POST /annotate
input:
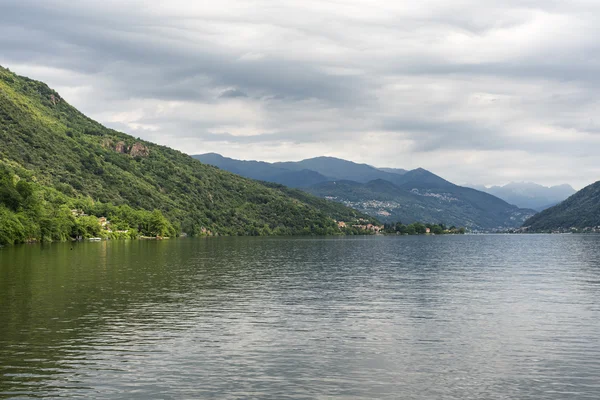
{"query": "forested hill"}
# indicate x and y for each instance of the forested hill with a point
(68, 157)
(581, 211)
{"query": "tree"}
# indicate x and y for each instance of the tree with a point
(158, 225)
(25, 189)
(436, 229)
(11, 229)
(420, 228)
(87, 227)
(9, 196)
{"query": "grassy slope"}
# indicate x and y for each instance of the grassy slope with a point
(76, 155)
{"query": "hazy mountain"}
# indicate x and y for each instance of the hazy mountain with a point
(581, 210)
(529, 195)
(304, 173)
(337, 168)
(319, 169)
(264, 171)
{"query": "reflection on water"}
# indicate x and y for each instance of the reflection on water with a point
(460, 317)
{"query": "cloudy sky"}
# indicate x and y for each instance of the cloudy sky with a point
(476, 91)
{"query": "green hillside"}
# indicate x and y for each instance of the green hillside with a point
(78, 162)
(581, 211)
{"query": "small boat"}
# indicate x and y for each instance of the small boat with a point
(95, 239)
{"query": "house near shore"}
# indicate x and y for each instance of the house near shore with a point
(374, 228)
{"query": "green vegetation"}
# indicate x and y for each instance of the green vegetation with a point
(580, 212)
(418, 228)
(32, 212)
(70, 161)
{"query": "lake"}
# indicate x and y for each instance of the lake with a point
(428, 317)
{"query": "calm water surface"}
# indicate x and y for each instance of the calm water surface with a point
(452, 317)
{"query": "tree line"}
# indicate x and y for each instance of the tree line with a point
(418, 228)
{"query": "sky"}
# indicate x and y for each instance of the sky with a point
(482, 92)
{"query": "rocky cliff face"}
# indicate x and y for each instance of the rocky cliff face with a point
(139, 150)
(121, 147)
(135, 150)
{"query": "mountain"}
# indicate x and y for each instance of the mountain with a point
(336, 168)
(422, 179)
(581, 210)
(398, 171)
(432, 200)
(529, 195)
(312, 171)
(263, 171)
(53, 157)
(408, 196)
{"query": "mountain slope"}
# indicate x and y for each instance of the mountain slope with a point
(415, 202)
(64, 150)
(263, 171)
(397, 171)
(529, 195)
(413, 196)
(423, 179)
(582, 210)
(313, 171)
(336, 168)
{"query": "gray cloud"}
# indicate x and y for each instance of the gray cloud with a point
(506, 89)
(232, 94)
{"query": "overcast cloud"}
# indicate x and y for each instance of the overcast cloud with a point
(476, 91)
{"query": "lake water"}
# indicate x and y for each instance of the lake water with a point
(452, 317)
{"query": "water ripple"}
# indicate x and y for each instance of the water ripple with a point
(469, 317)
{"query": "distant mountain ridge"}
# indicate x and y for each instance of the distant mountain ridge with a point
(337, 168)
(580, 211)
(316, 170)
(528, 194)
(389, 194)
(264, 171)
